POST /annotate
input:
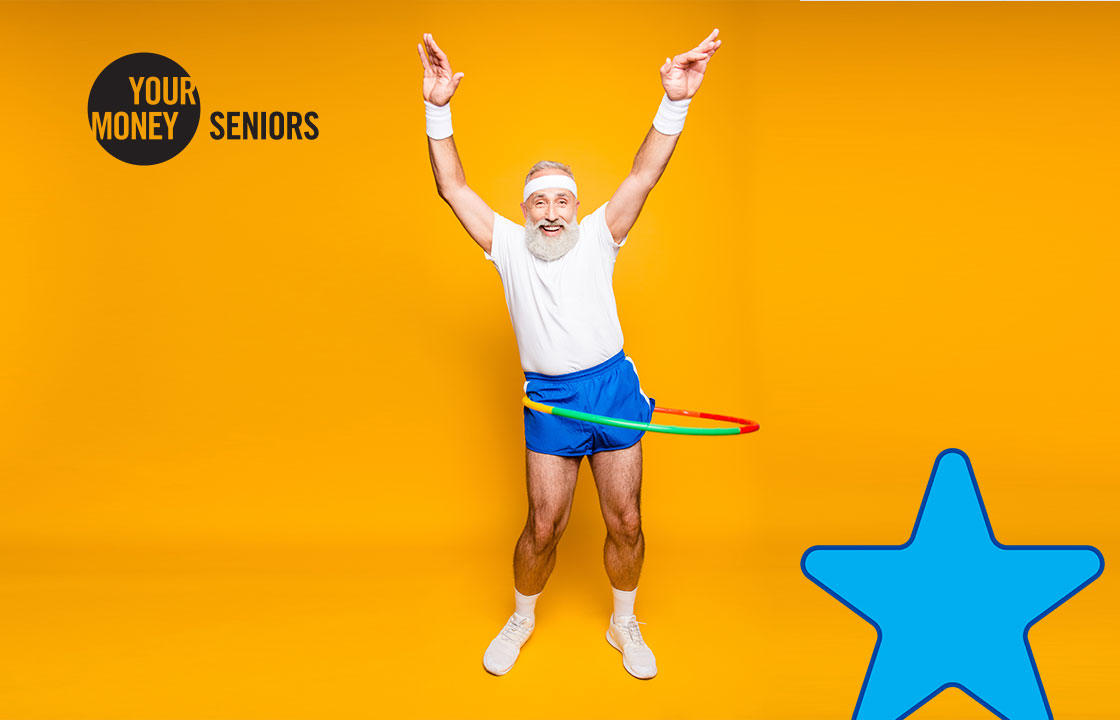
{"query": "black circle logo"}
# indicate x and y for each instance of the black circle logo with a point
(144, 108)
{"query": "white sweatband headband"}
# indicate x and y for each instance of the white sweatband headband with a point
(561, 182)
(438, 119)
(670, 116)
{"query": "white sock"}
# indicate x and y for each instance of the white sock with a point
(524, 605)
(623, 604)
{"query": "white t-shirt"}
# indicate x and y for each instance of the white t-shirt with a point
(563, 311)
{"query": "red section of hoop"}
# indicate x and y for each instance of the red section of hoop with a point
(745, 426)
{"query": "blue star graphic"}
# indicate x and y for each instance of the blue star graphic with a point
(952, 606)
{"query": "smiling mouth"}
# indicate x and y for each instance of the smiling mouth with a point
(551, 230)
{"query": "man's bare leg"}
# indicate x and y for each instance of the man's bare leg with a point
(618, 476)
(551, 484)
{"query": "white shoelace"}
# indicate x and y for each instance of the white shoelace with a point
(515, 632)
(634, 631)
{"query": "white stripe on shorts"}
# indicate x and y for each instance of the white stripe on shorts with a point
(643, 392)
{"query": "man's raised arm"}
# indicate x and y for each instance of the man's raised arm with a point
(681, 78)
(439, 85)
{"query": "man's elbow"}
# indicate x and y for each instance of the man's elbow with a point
(446, 188)
(642, 181)
(445, 192)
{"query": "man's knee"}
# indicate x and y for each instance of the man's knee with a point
(544, 529)
(625, 526)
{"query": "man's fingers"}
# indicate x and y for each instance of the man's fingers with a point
(423, 58)
(435, 55)
(707, 43)
(439, 53)
(703, 51)
(692, 56)
(440, 60)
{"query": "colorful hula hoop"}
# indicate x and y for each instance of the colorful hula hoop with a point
(744, 426)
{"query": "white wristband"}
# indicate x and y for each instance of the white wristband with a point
(670, 116)
(438, 119)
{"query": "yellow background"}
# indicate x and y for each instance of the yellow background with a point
(260, 432)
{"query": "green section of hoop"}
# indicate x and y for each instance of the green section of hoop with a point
(630, 424)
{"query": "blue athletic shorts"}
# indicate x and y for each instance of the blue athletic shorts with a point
(610, 388)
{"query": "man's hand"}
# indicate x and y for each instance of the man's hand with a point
(439, 82)
(681, 76)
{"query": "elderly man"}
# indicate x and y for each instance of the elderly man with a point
(556, 274)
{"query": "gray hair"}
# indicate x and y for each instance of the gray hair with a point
(549, 165)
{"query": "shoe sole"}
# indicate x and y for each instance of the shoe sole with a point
(498, 674)
(626, 664)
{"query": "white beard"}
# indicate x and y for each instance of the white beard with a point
(551, 248)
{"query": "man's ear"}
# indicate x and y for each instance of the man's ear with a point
(525, 211)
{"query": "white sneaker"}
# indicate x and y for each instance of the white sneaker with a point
(637, 658)
(504, 649)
